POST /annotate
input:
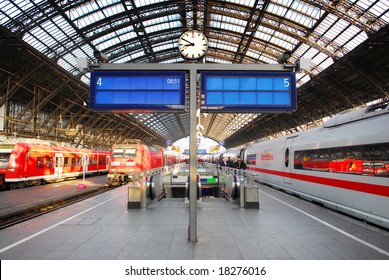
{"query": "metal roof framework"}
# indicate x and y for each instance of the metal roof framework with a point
(43, 93)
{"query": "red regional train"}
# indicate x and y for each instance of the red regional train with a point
(28, 163)
(135, 157)
(343, 165)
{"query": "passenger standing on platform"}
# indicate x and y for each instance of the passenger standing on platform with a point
(229, 162)
(224, 162)
(240, 163)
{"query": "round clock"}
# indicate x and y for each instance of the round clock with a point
(193, 45)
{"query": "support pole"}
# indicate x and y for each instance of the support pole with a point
(192, 157)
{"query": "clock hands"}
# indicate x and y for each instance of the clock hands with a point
(190, 43)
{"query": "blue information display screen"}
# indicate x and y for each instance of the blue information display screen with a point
(140, 91)
(248, 91)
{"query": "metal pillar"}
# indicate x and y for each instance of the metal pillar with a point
(192, 231)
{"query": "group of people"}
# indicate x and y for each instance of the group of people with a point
(237, 162)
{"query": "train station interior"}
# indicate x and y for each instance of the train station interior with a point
(310, 170)
(45, 95)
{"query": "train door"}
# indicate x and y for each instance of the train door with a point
(107, 160)
(288, 159)
(58, 165)
(85, 164)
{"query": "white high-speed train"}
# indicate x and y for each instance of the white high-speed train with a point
(343, 165)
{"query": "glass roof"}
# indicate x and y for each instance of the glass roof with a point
(142, 31)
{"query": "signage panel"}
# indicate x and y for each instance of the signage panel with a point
(248, 91)
(137, 91)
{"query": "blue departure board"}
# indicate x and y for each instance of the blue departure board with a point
(137, 91)
(248, 91)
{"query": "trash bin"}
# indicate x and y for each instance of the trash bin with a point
(135, 196)
(251, 195)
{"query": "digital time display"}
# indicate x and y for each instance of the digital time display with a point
(248, 91)
(140, 91)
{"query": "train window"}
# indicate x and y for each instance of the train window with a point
(66, 162)
(368, 160)
(251, 159)
(117, 152)
(130, 152)
(79, 162)
(49, 162)
(27, 156)
(287, 157)
(4, 158)
(39, 162)
(73, 161)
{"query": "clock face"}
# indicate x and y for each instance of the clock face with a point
(193, 44)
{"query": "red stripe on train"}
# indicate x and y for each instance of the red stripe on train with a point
(343, 184)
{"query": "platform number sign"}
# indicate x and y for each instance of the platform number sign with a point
(248, 91)
(137, 91)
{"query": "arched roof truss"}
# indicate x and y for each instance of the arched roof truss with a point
(45, 93)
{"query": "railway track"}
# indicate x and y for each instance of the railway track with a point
(44, 208)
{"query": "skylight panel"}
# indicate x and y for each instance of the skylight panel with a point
(319, 58)
(252, 54)
(159, 48)
(33, 42)
(173, 60)
(249, 3)
(302, 80)
(66, 65)
(281, 43)
(218, 60)
(137, 54)
(106, 44)
(86, 78)
(301, 51)
(216, 17)
(11, 13)
(326, 24)
(266, 59)
(312, 52)
(380, 9)
(78, 14)
(76, 53)
(110, 38)
(221, 45)
(308, 10)
(348, 33)
(265, 30)
(360, 38)
(300, 18)
(86, 49)
(262, 36)
(231, 27)
(141, 3)
(326, 63)
(276, 9)
(124, 59)
(89, 19)
(40, 39)
(127, 36)
(113, 10)
(215, 24)
(235, 21)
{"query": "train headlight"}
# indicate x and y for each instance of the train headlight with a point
(11, 169)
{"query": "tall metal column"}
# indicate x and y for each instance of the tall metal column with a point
(192, 157)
